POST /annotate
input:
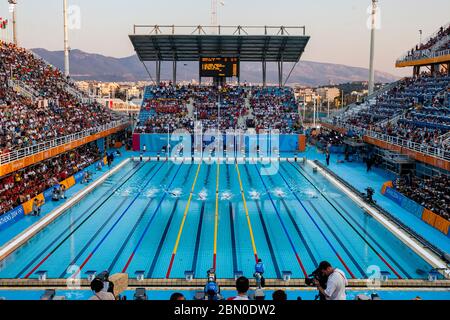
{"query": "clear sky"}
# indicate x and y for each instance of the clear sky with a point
(337, 27)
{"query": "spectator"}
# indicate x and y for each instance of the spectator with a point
(176, 296)
(336, 283)
(97, 287)
(242, 286)
(279, 295)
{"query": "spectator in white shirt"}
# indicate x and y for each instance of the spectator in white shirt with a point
(242, 286)
(336, 283)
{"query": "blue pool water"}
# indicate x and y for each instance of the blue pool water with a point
(133, 220)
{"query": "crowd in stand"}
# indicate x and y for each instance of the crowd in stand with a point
(423, 49)
(167, 108)
(432, 193)
(27, 183)
(53, 111)
(327, 138)
(416, 109)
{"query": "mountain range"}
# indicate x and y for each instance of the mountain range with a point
(91, 66)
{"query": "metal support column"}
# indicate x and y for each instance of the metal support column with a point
(158, 72)
(264, 73)
(174, 75)
(280, 73)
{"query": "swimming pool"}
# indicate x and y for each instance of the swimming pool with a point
(162, 219)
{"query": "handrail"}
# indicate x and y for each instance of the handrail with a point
(46, 145)
(439, 153)
(430, 56)
(433, 35)
(418, 147)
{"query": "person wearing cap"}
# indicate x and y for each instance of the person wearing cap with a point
(336, 283)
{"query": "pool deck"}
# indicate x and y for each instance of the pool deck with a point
(226, 283)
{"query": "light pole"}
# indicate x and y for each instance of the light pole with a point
(66, 41)
(372, 47)
(12, 8)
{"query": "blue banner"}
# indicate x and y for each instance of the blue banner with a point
(78, 176)
(404, 202)
(11, 216)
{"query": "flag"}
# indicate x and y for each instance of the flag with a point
(3, 23)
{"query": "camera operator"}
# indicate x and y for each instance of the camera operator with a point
(335, 288)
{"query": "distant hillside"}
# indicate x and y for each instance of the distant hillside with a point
(89, 66)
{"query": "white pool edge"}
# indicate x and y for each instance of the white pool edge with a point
(31, 231)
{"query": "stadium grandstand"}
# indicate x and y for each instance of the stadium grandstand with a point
(412, 117)
(44, 125)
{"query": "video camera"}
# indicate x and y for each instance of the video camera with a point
(369, 195)
(322, 279)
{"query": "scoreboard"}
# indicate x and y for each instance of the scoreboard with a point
(219, 67)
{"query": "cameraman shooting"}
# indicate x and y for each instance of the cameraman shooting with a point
(336, 283)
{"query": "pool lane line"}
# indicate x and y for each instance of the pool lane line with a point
(71, 225)
(133, 230)
(233, 237)
(297, 228)
(88, 243)
(323, 233)
(216, 215)
(180, 231)
(374, 241)
(351, 226)
(79, 218)
(297, 256)
(358, 266)
(200, 226)
(250, 229)
(130, 234)
(233, 233)
(150, 222)
(166, 230)
(367, 234)
(102, 240)
(197, 239)
(264, 226)
(108, 232)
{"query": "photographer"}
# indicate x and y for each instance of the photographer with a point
(336, 283)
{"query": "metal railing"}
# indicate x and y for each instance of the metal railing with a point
(426, 40)
(422, 55)
(24, 89)
(46, 145)
(440, 153)
(218, 29)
